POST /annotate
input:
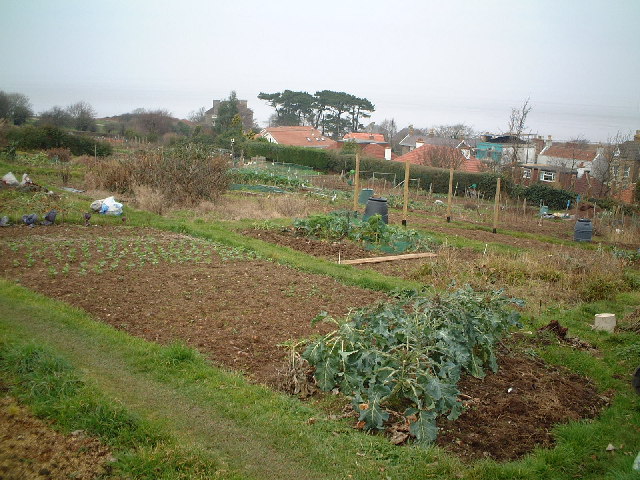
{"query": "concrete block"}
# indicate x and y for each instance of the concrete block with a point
(605, 321)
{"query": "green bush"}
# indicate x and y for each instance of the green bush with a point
(253, 177)
(30, 137)
(542, 194)
(612, 204)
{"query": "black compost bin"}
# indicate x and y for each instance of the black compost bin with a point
(377, 206)
(583, 230)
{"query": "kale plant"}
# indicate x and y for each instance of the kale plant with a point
(372, 232)
(407, 356)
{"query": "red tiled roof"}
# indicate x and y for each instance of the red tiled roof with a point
(299, 137)
(417, 156)
(372, 137)
(473, 165)
(375, 150)
(440, 156)
(573, 151)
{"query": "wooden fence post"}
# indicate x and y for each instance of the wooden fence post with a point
(449, 196)
(356, 183)
(405, 207)
(496, 207)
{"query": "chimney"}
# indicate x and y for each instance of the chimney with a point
(419, 142)
(549, 141)
(432, 132)
(636, 137)
(387, 153)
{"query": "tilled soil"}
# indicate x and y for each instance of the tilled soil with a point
(510, 413)
(331, 250)
(30, 448)
(337, 250)
(238, 311)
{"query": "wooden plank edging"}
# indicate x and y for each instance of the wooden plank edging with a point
(390, 258)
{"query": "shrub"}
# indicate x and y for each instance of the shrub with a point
(182, 175)
(539, 193)
(30, 137)
(602, 286)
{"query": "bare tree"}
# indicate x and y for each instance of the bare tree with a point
(517, 126)
(608, 165)
(198, 116)
(458, 130)
(83, 116)
(441, 156)
(15, 107)
(56, 117)
(153, 122)
(389, 129)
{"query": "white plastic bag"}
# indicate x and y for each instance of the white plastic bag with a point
(10, 179)
(111, 207)
(107, 206)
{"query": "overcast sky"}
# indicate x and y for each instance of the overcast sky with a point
(421, 62)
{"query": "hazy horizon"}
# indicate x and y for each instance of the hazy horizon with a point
(423, 63)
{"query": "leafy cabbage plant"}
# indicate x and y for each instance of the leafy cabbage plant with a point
(408, 355)
(372, 232)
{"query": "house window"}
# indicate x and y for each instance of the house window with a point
(526, 173)
(547, 176)
(616, 170)
(627, 172)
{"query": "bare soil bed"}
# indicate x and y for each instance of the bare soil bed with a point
(331, 250)
(238, 310)
(235, 309)
(510, 413)
(30, 448)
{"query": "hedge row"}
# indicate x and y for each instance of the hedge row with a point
(436, 178)
(332, 161)
(30, 137)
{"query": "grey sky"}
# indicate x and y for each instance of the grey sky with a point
(420, 62)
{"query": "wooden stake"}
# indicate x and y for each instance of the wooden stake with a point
(496, 207)
(405, 207)
(450, 195)
(356, 182)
